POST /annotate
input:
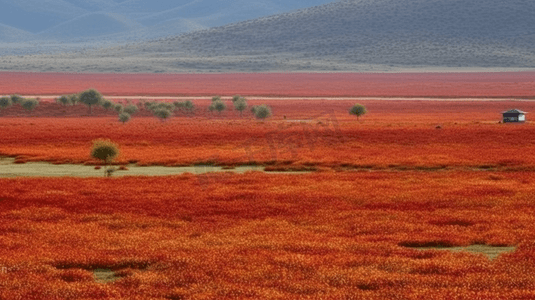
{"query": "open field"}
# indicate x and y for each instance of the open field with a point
(395, 134)
(386, 195)
(497, 84)
(257, 236)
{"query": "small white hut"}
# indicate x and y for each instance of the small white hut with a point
(514, 115)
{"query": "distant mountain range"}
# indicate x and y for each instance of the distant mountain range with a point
(80, 20)
(345, 35)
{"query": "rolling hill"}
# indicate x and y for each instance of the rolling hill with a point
(10, 34)
(97, 20)
(101, 24)
(409, 33)
(347, 35)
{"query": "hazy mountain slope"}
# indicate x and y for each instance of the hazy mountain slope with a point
(216, 13)
(198, 9)
(37, 15)
(147, 33)
(453, 33)
(147, 7)
(8, 33)
(94, 5)
(100, 23)
(63, 19)
(348, 35)
(358, 23)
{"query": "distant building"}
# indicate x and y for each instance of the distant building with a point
(514, 115)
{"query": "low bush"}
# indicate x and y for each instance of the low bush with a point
(148, 105)
(130, 109)
(240, 105)
(5, 102)
(16, 99)
(74, 99)
(162, 113)
(30, 104)
(90, 98)
(106, 104)
(104, 150)
(118, 108)
(220, 106)
(63, 100)
(262, 112)
(189, 106)
(124, 117)
(358, 110)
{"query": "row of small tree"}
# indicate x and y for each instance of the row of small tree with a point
(162, 110)
(27, 103)
(240, 104)
(92, 98)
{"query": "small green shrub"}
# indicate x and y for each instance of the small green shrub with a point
(130, 109)
(30, 104)
(220, 106)
(240, 105)
(189, 106)
(16, 99)
(63, 100)
(216, 98)
(358, 110)
(262, 112)
(106, 151)
(90, 97)
(124, 117)
(119, 108)
(106, 104)
(148, 105)
(74, 98)
(5, 102)
(166, 105)
(162, 113)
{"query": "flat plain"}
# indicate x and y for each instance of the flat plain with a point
(327, 84)
(388, 193)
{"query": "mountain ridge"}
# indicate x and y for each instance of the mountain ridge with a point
(341, 36)
(58, 20)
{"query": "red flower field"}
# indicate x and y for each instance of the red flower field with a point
(499, 84)
(260, 236)
(408, 174)
(399, 134)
